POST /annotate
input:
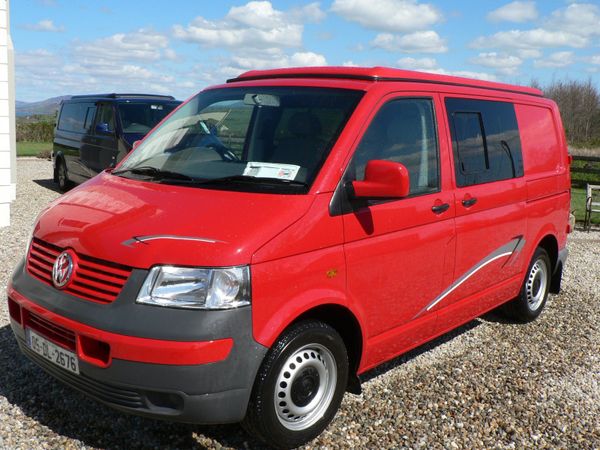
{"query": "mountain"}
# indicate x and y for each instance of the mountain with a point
(47, 107)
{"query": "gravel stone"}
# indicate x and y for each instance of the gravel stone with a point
(491, 384)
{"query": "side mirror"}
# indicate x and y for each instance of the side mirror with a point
(136, 144)
(383, 179)
(103, 128)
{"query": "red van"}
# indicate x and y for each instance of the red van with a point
(279, 235)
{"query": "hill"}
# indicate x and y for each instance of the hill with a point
(45, 107)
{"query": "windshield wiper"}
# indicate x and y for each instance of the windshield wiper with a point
(154, 173)
(252, 180)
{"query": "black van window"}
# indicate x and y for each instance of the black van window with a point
(403, 131)
(73, 116)
(485, 139)
(470, 146)
(89, 117)
(106, 115)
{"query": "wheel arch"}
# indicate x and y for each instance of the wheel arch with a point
(346, 323)
(549, 242)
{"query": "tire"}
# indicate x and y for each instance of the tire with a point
(62, 177)
(534, 291)
(299, 386)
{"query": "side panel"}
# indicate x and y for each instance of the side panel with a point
(283, 287)
(546, 165)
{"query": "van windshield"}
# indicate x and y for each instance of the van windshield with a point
(259, 139)
(138, 118)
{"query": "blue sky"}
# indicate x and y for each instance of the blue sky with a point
(180, 46)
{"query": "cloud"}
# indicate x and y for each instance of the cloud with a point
(142, 45)
(44, 26)
(502, 63)
(531, 39)
(430, 65)
(417, 42)
(422, 64)
(528, 53)
(398, 16)
(578, 18)
(573, 26)
(514, 12)
(274, 58)
(555, 60)
(465, 74)
(595, 60)
(256, 25)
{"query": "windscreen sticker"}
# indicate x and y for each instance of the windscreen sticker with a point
(271, 170)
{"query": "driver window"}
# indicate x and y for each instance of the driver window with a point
(106, 115)
(403, 131)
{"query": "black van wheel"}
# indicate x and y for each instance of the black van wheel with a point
(299, 386)
(62, 177)
(534, 292)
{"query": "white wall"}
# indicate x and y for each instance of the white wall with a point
(7, 117)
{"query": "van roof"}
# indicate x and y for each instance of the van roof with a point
(379, 74)
(124, 96)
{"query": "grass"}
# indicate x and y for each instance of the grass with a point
(578, 205)
(33, 148)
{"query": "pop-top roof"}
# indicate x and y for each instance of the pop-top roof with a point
(376, 74)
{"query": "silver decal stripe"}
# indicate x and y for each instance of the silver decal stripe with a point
(143, 239)
(508, 249)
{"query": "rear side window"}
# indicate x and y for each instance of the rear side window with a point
(73, 117)
(485, 139)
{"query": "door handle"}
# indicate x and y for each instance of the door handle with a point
(467, 203)
(438, 209)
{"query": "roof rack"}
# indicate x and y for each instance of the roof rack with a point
(113, 95)
(381, 74)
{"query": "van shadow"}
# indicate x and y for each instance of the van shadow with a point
(68, 413)
(48, 184)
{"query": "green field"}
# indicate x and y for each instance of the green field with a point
(33, 148)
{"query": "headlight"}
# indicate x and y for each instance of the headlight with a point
(196, 288)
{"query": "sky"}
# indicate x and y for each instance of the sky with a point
(178, 47)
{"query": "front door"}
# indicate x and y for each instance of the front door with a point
(101, 147)
(399, 252)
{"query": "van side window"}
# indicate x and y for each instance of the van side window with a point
(73, 116)
(485, 139)
(89, 117)
(106, 115)
(403, 131)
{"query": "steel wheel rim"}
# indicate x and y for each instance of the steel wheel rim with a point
(297, 406)
(537, 282)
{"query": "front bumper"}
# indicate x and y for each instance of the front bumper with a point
(189, 366)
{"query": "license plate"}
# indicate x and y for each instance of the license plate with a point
(52, 352)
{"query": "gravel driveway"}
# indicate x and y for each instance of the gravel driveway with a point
(490, 384)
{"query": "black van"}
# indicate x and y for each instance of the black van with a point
(94, 132)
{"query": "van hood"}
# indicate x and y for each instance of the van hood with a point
(140, 224)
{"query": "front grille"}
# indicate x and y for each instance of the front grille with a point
(104, 392)
(93, 279)
(56, 333)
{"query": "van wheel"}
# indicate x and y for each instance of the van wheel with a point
(63, 178)
(534, 292)
(299, 386)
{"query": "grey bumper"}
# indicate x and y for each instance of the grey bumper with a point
(208, 393)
